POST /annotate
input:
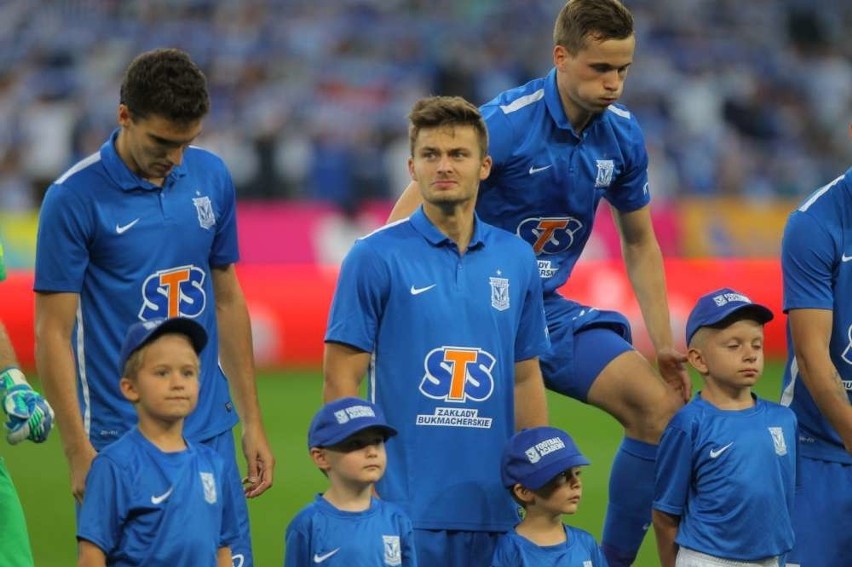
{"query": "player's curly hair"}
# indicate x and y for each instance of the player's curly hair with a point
(437, 111)
(597, 19)
(165, 82)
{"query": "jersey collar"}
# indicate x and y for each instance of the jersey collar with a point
(435, 237)
(121, 174)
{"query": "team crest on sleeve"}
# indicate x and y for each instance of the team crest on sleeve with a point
(606, 167)
(393, 551)
(204, 208)
(499, 293)
(778, 440)
(208, 481)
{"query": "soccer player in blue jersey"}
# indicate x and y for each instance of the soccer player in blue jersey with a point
(815, 254)
(726, 471)
(154, 499)
(28, 416)
(347, 525)
(541, 469)
(559, 145)
(445, 313)
(143, 229)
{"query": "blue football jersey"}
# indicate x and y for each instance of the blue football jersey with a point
(547, 181)
(144, 507)
(730, 476)
(579, 550)
(445, 331)
(135, 251)
(320, 534)
(815, 260)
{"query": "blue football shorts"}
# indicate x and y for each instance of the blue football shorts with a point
(821, 515)
(455, 548)
(583, 340)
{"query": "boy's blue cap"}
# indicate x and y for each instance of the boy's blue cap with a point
(716, 306)
(142, 333)
(337, 420)
(533, 457)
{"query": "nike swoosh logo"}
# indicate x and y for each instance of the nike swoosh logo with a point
(419, 290)
(716, 452)
(320, 558)
(534, 169)
(122, 229)
(845, 258)
(159, 499)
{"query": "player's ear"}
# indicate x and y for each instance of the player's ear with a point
(523, 493)
(320, 459)
(485, 168)
(411, 171)
(696, 359)
(128, 389)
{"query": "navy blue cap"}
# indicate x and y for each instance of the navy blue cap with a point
(142, 333)
(716, 306)
(337, 420)
(533, 457)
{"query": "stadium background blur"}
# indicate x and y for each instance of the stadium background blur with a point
(745, 106)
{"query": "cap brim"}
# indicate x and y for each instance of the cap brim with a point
(337, 439)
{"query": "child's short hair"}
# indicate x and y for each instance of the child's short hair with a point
(720, 308)
(340, 419)
(533, 457)
(143, 333)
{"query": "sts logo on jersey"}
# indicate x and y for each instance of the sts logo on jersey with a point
(549, 235)
(458, 374)
(174, 292)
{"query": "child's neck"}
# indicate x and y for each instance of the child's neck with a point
(727, 398)
(349, 497)
(542, 528)
(167, 437)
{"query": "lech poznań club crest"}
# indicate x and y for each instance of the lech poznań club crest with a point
(605, 169)
(499, 293)
(393, 552)
(209, 483)
(204, 208)
(778, 439)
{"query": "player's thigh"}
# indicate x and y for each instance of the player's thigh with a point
(821, 515)
(629, 389)
(455, 548)
(14, 540)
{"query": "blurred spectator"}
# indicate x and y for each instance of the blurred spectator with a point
(737, 98)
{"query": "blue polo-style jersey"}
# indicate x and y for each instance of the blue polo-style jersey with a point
(816, 261)
(321, 534)
(135, 251)
(144, 507)
(547, 181)
(579, 550)
(731, 477)
(445, 331)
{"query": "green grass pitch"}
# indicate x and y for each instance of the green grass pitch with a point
(288, 400)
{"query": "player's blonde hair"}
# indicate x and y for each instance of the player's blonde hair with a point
(137, 357)
(597, 19)
(438, 111)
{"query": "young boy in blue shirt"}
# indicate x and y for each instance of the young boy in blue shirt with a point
(152, 498)
(346, 525)
(726, 469)
(541, 469)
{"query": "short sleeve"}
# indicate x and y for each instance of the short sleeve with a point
(673, 470)
(104, 506)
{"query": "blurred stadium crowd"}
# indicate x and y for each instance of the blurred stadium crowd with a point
(749, 98)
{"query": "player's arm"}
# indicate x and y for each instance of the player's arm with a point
(644, 262)
(811, 333)
(90, 555)
(407, 203)
(237, 359)
(530, 399)
(665, 528)
(55, 314)
(343, 369)
(223, 557)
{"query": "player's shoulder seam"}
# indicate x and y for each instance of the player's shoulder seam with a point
(620, 111)
(81, 165)
(816, 195)
(523, 101)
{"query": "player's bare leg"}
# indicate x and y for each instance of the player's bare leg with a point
(629, 389)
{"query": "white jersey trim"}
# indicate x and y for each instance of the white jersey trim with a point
(84, 378)
(619, 111)
(80, 165)
(819, 193)
(525, 100)
(787, 394)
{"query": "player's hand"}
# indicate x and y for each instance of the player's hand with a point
(672, 367)
(79, 464)
(29, 415)
(259, 460)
